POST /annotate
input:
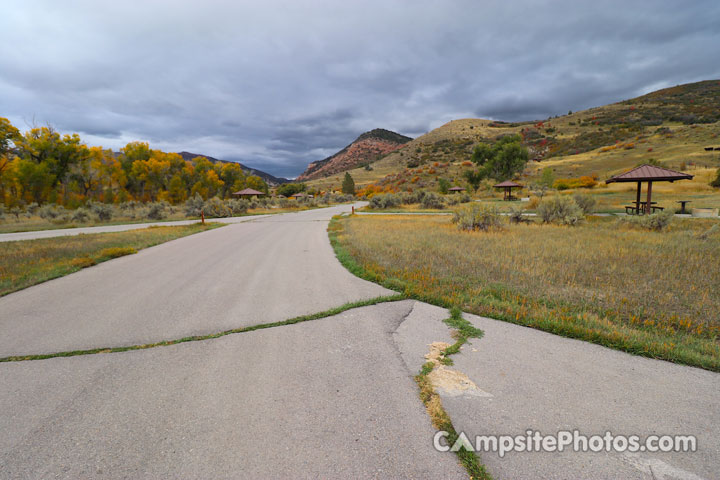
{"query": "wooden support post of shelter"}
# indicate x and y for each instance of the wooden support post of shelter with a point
(507, 185)
(649, 174)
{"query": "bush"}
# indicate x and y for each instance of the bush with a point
(156, 211)
(80, 215)
(50, 212)
(477, 217)
(586, 202)
(432, 200)
(216, 208)
(516, 215)
(560, 209)
(237, 206)
(103, 212)
(586, 181)
(383, 201)
(656, 222)
(716, 183)
(193, 206)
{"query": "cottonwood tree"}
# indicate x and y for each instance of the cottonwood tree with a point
(501, 161)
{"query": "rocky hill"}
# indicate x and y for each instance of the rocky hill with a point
(675, 126)
(269, 179)
(366, 149)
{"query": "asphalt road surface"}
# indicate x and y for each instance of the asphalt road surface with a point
(327, 398)
(66, 232)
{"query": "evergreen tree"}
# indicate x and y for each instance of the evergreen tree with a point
(348, 184)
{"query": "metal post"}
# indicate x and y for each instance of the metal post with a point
(353, 209)
(649, 196)
(202, 216)
(637, 200)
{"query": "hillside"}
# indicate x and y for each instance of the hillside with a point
(672, 126)
(269, 179)
(366, 149)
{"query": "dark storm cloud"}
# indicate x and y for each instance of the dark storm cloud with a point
(277, 84)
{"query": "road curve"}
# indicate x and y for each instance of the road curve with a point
(328, 398)
(265, 270)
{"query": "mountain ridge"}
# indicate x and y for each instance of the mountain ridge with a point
(364, 150)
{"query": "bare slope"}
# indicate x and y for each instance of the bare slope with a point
(367, 148)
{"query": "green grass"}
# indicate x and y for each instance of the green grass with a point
(29, 262)
(196, 338)
(463, 330)
(646, 293)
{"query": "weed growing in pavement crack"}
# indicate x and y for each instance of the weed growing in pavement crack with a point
(165, 343)
(463, 330)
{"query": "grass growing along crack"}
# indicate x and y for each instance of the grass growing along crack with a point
(195, 338)
(463, 330)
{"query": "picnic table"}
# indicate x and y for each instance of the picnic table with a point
(682, 205)
(635, 210)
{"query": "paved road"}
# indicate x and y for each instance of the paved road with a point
(259, 271)
(330, 398)
(539, 381)
(65, 232)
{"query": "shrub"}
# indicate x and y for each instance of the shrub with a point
(156, 211)
(477, 217)
(432, 200)
(193, 206)
(102, 211)
(586, 202)
(215, 207)
(716, 183)
(80, 215)
(49, 212)
(560, 209)
(382, 201)
(237, 206)
(656, 222)
(586, 181)
(516, 215)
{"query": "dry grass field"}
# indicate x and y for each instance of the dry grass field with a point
(648, 293)
(29, 262)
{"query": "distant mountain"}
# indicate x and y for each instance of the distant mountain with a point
(367, 148)
(269, 179)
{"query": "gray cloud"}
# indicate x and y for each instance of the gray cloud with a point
(277, 84)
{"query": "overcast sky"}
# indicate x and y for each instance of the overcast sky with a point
(277, 84)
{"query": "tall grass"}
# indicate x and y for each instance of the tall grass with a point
(648, 293)
(29, 262)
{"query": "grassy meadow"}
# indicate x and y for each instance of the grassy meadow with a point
(648, 293)
(29, 262)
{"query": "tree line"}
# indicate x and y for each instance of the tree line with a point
(42, 166)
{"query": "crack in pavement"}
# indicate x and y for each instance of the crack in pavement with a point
(211, 336)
